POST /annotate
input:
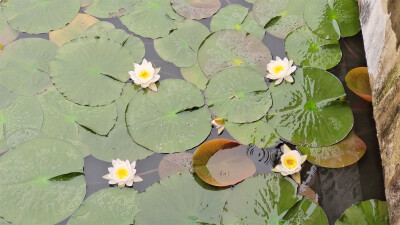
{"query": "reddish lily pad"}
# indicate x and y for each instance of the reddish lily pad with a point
(357, 80)
(222, 162)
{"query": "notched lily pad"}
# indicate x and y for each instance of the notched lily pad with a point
(357, 80)
(238, 95)
(231, 48)
(110, 9)
(195, 76)
(366, 212)
(308, 49)
(194, 9)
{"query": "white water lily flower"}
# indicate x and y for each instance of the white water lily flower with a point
(219, 124)
(280, 70)
(145, 75)
(122, 173)
(291, 162)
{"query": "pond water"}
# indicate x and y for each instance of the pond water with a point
(337, 189)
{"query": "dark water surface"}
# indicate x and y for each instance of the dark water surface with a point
(337, 189)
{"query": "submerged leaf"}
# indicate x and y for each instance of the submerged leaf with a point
(357, 80)
(175, 163)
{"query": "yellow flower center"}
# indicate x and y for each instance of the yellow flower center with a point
(122, 173)
(277, 69)
(290, 162)
(144, 74)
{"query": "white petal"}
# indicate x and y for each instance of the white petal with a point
(129, 183)
(145, 85)
(303, 158)
(157, 70)
(155, 78)
(153, 87)
(121, 184)
(278, 59)
(112, 182)
(289, 79)
(286, 61)
(133, 164)
(286, 149)
(292, 69)
(136, 178)
(144, 61)
(278, 81)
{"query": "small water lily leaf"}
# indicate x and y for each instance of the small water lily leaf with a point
(151, 18)
(372, 211)
(305, 212)
(175, 163)
(181, 45)
(344, 153)
(174, 116)
(24, 66)
(108, 206)
(28, 193)
(110, 9)
(279, 17)
(262, 199)
(307, 49)
(98, 29)
(315, 94)
(7, 34)
(86, 3)
(76, 29)
(193, 203)
(24, 112)
(194, 9)
(222, 162)
(194, 75)
(39, 16)
(232, 48)
(235, 17)
(6, 97)
(118, 144)
(85, 70)
(357, 80)
(238, 95)
(259, 133)
(331, 19)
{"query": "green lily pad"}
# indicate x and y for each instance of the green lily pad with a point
(118, 144)
(7, 34)
(175, 163)
(107, 206)
(170, 120)
(236, 17)
(98, 29)
(365, 213)
(262, 199)
(86, 3)
(151, 18)
(33, 190)
(307, 49)
(24, 65)
(193, 9)
(357, 80)
(6, 97)
(259, 133)
(181, 45)
(232, 48)
(39, 16)
(192, 203)
(331, 19)
(315, 94)
(194, 75)
(22, 135)
(85, 70)
(238, 95)
(344, 153)
(280, 17)
(3, 222)
(222, 162)
(305, 212)
(109, 9)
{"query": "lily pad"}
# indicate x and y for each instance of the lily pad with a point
(280, 17)
(151, 18)
(85, 70)
(192, 203)
(170, 120)
(76, 29)
(366, 212)
(344, 153)
(39, 16)
(231, 48)
(236, 17)
(238, 95)
(222, 162)
(33, 190)
(86, 3)
(24, 66)
(259, 133)
(109, 9)
(175, 163)
(310, 110)
(262, 199)
(107, 206)
(195, 76)
(6, 97)
(99, 29)
(194, 9)
(357, 80)
(331, 19)
(7, 34)
(118, 144)
(305, 212)
(181, 45)
(22, 135)
(307, 49)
